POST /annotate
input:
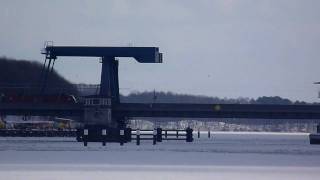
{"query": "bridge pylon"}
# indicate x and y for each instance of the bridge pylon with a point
(98, 110)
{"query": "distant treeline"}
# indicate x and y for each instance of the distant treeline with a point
(169, 97)
(19, 75)
(26, 77)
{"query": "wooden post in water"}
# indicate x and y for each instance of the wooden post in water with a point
(121, 137)
(189, 134)
(154, 136)
(104, 136)
(159, 134)
(138, 137)
(85, 137)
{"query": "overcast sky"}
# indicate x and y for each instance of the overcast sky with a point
(227, 48)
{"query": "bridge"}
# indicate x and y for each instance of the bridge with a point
(172, 110)
(105, 111)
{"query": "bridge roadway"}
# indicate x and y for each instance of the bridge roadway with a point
(251, 111)
(219, 111)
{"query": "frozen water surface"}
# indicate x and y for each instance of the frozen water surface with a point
(224, 156)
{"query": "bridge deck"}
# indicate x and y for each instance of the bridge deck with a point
(254, 111)
(219, 111)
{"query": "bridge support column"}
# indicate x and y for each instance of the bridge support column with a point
(109, 86)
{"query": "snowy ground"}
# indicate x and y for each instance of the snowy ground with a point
(224, 156)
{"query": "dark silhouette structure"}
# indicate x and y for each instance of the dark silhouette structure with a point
(105, 116)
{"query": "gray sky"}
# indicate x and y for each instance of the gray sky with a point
(226, 48)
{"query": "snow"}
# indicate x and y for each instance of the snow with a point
(159, 172)
(224, 156)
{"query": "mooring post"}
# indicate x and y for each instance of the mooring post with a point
(85, 137)
(159, 134)
(104, 137)
(177, 134)
(154, 137)
(121, 137)
(138, 136)
(166, 134)
(128, 134)
(198, 133)
(209, 133)
(318, 128)
(189, 134)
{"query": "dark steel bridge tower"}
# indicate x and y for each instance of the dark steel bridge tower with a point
(99, 109)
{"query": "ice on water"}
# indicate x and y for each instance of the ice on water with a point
(223, 156)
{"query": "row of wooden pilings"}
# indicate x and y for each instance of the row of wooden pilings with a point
(155, 135)
(158, 135)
